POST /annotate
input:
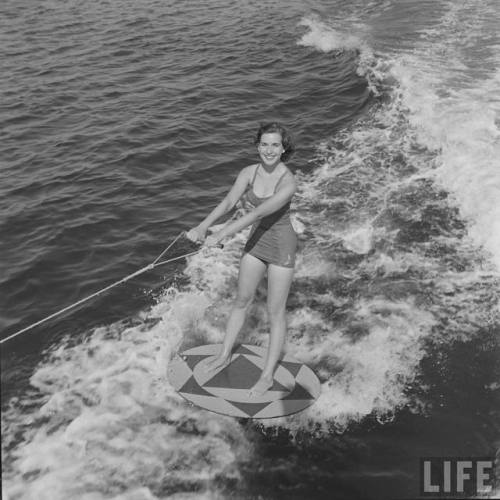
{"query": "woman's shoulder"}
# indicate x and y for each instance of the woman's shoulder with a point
(248, 171)
(251, 168)
(287, 172)
(286, 179)
(287, 175)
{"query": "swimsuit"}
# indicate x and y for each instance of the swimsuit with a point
(272, 239)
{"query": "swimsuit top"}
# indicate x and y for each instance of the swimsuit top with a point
(250, 201)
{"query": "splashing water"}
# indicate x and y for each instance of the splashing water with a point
(390, 223)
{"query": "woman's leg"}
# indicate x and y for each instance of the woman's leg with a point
(250, 273)
(279, 280)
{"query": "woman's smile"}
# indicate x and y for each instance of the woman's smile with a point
(270, 148)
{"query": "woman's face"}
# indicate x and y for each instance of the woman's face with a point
(270, 148)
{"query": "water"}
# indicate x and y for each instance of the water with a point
(123, 123)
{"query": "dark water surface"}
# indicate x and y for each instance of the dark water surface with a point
(122, 123)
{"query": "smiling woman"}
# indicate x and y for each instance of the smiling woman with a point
(394, 107)
(272, 244)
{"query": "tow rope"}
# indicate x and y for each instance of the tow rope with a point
(153, 264)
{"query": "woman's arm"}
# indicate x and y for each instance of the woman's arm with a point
(226, 205)
(275, 202)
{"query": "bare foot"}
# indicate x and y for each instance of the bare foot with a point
(215, 363)
(261, 387)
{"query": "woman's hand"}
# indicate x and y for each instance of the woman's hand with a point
(214, 239)
(197, 234)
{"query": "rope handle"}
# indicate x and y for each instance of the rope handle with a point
(149, 267)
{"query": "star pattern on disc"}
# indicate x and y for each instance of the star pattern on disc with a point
(241, 373)
(295, 386)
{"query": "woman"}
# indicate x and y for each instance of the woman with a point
(266, 189)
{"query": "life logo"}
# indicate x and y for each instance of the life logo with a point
(453, 477)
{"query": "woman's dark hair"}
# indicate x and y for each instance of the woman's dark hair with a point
(286, 139)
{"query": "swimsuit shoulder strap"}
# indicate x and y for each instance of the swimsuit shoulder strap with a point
(254, 175)
(279, 180)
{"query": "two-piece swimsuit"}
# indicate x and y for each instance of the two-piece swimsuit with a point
(272, 239)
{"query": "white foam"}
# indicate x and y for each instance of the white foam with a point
(448, 111)
(362, 375)
(360, 239)
(111, 420)
(444, 134)
(463, 128)
(325, 38)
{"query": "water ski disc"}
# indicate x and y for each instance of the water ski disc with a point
(226, 391)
